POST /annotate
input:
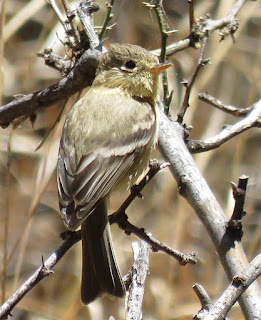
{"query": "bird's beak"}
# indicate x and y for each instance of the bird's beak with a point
(158, 68)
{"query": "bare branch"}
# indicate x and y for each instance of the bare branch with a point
(239, 193)
(71, 25)
(200, 64)
(158, 8)
(70, 238)
(107, 19)
(238, 285)
(67, 23)
(58, 12)
(252, 120)
(84, 75)
(195, 190)
(154, 168)
(39, 274)
(121, 219)
(234, 226)
(138, 276)
(204, 299)
(175, 47)
(192, 19)
(80, 77)
(64, 66)
(84, 12)
(237, 112)
(205, 27)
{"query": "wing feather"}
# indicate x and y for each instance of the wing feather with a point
(86, 172)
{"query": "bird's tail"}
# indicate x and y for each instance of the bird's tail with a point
(100, 271)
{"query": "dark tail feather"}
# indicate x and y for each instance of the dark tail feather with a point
(100, 272)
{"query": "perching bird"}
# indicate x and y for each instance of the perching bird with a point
(107, 141)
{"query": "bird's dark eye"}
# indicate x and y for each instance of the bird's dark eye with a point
(130, 64)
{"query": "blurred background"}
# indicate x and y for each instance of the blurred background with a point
(28, 195)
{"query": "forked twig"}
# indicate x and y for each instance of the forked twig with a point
(238, 285)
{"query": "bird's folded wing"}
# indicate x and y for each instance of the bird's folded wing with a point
(86, 180)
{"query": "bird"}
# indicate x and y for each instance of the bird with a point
(106, 144)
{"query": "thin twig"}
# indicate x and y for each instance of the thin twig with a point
(204, 299)
(207, 26)
(67, 23)
(6, 215)
(64, 66)
(58, 12)
(253, 119)
(39, 274)
(234, 226)
(159, 13)
(121, 219)
(155, 167)
(239, 193)
(202, 295)
(237, 112)
(71, 22)
(158, 7)
(192, 19)
(107, 19)
(201, 63)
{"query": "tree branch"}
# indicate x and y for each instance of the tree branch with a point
(40, 273)
(80, 77)
(84, 72)
(237, 112)
(204, 299)
(195, 190)
(205, 27)
(234, 225)
(70, 238)
(137, 282)
(238, 285)
(85, 10)
(171, 137)
(107, 19)
(121, 219)
(253, 119)
(200, 64)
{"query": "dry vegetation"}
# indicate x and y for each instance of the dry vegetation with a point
(28, 179)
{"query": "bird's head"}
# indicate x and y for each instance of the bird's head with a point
(132, 70)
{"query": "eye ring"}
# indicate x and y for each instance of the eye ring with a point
(130, 64)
